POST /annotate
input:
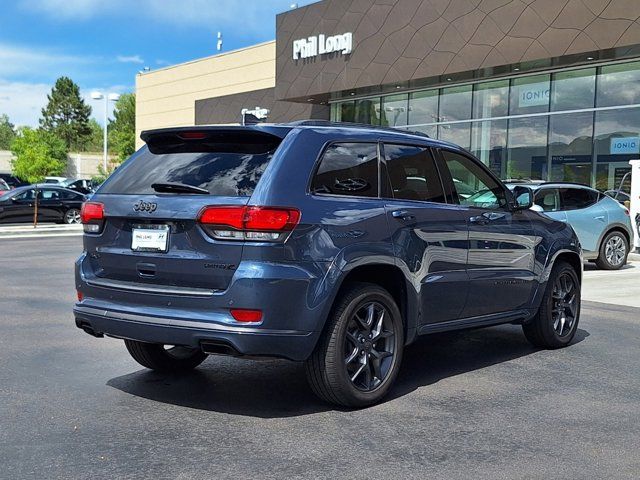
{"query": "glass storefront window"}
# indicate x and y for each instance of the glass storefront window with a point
(344, 112)
(455, 103)
(491, 99)
(458, 133)
(527, 152)
(570, 147)
(619, 85)
(423, 107)
(366, 111)
(573, 90)
(529, 95)
(394, 111)
(617, 140)
(489, 144)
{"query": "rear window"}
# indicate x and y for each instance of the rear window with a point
(224, 169)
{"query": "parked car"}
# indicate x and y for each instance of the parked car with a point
(82, 185)
(12, 180)
(602, 224)
(3, 186)
(55, 204)
(55, 180)
(307, 241)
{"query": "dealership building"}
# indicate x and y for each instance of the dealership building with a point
(541, 89)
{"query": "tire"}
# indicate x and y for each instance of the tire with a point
(614, 251)
(157, 357)
(332, 370)
(548, 329)
(71, 216)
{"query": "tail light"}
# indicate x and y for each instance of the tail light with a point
(92, 216)
(260, 224)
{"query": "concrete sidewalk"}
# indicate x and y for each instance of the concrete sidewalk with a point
(620, 287)
(43, 230)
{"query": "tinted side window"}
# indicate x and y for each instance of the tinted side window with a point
(48, 194)
(348, 169)
(576, 198)
(26, 195)
(413, 174)
(548, 199)
(70, 195)
(472, 186)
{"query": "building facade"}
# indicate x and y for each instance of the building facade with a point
(542, 89)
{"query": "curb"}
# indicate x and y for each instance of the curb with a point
(25, 231)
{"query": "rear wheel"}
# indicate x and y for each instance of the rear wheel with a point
(165, 358)
(358, 358)
(556, 322)
(72, 216)
(613, 252)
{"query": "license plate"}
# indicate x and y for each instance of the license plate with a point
(152, 238)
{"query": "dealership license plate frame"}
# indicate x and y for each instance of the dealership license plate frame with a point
(150, 238)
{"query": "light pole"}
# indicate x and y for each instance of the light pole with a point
(107, 97)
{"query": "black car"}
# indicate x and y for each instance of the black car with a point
(55, 204)
(12, 180)
(328, 243)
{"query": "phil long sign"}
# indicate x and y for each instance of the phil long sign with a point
(322, 44)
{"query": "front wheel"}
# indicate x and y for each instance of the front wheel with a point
(72, 216)
(556, 322)
(613, 252)
(358, 357)
(165, 358)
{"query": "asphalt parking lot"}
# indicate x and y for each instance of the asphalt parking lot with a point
(476, 404)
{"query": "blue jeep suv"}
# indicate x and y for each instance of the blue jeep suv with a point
(333, 244)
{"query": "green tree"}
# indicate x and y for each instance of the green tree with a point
(66, 114)
(38, 153)
(7, 132)
(93, 142)
(122, 129)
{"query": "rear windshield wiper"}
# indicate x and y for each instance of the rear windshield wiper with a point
(178, 188)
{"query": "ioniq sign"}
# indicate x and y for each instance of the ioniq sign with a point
(322, 44)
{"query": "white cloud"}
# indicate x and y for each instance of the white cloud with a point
(23, 101)
(18, 60)
(129, 59)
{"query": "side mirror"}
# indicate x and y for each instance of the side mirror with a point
(523, 197)
(537, 208)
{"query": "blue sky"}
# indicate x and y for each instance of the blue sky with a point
(102, 44)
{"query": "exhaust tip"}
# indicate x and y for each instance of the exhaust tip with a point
(219, 348)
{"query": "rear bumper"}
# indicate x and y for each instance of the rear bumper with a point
(289, 344)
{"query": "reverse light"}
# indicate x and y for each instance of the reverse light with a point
(246, 316)
(252, 223)
(92, 217)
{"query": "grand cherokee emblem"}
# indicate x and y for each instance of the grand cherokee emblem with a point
(143, 206)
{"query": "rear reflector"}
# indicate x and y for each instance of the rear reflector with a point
(246, 316)
(249, 223)
(80, 295)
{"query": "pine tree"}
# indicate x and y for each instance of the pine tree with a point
(7, 132)
(66, 115)
(122, 130)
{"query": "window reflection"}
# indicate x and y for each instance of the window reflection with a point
(527, 154)
(455, 103)
(394, 110)
(570, 142)
(617, 140)
(458, 133)
(423, 107)
(491, 99)
(489, 144)
(573, 90)
(619, 85)
(529, 95)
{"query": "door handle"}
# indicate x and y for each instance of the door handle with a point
(487, 217)
(402, 215)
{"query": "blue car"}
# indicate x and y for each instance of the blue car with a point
(332, 244)
(602, 224)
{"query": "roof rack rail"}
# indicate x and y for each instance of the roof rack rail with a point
(329, 123)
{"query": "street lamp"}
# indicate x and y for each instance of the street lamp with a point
(107, 97)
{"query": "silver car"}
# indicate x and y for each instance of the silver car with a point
(602, 224)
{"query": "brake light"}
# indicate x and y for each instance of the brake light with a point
(246, 316)
(249, 223)
(192, 135)
(92, 216)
